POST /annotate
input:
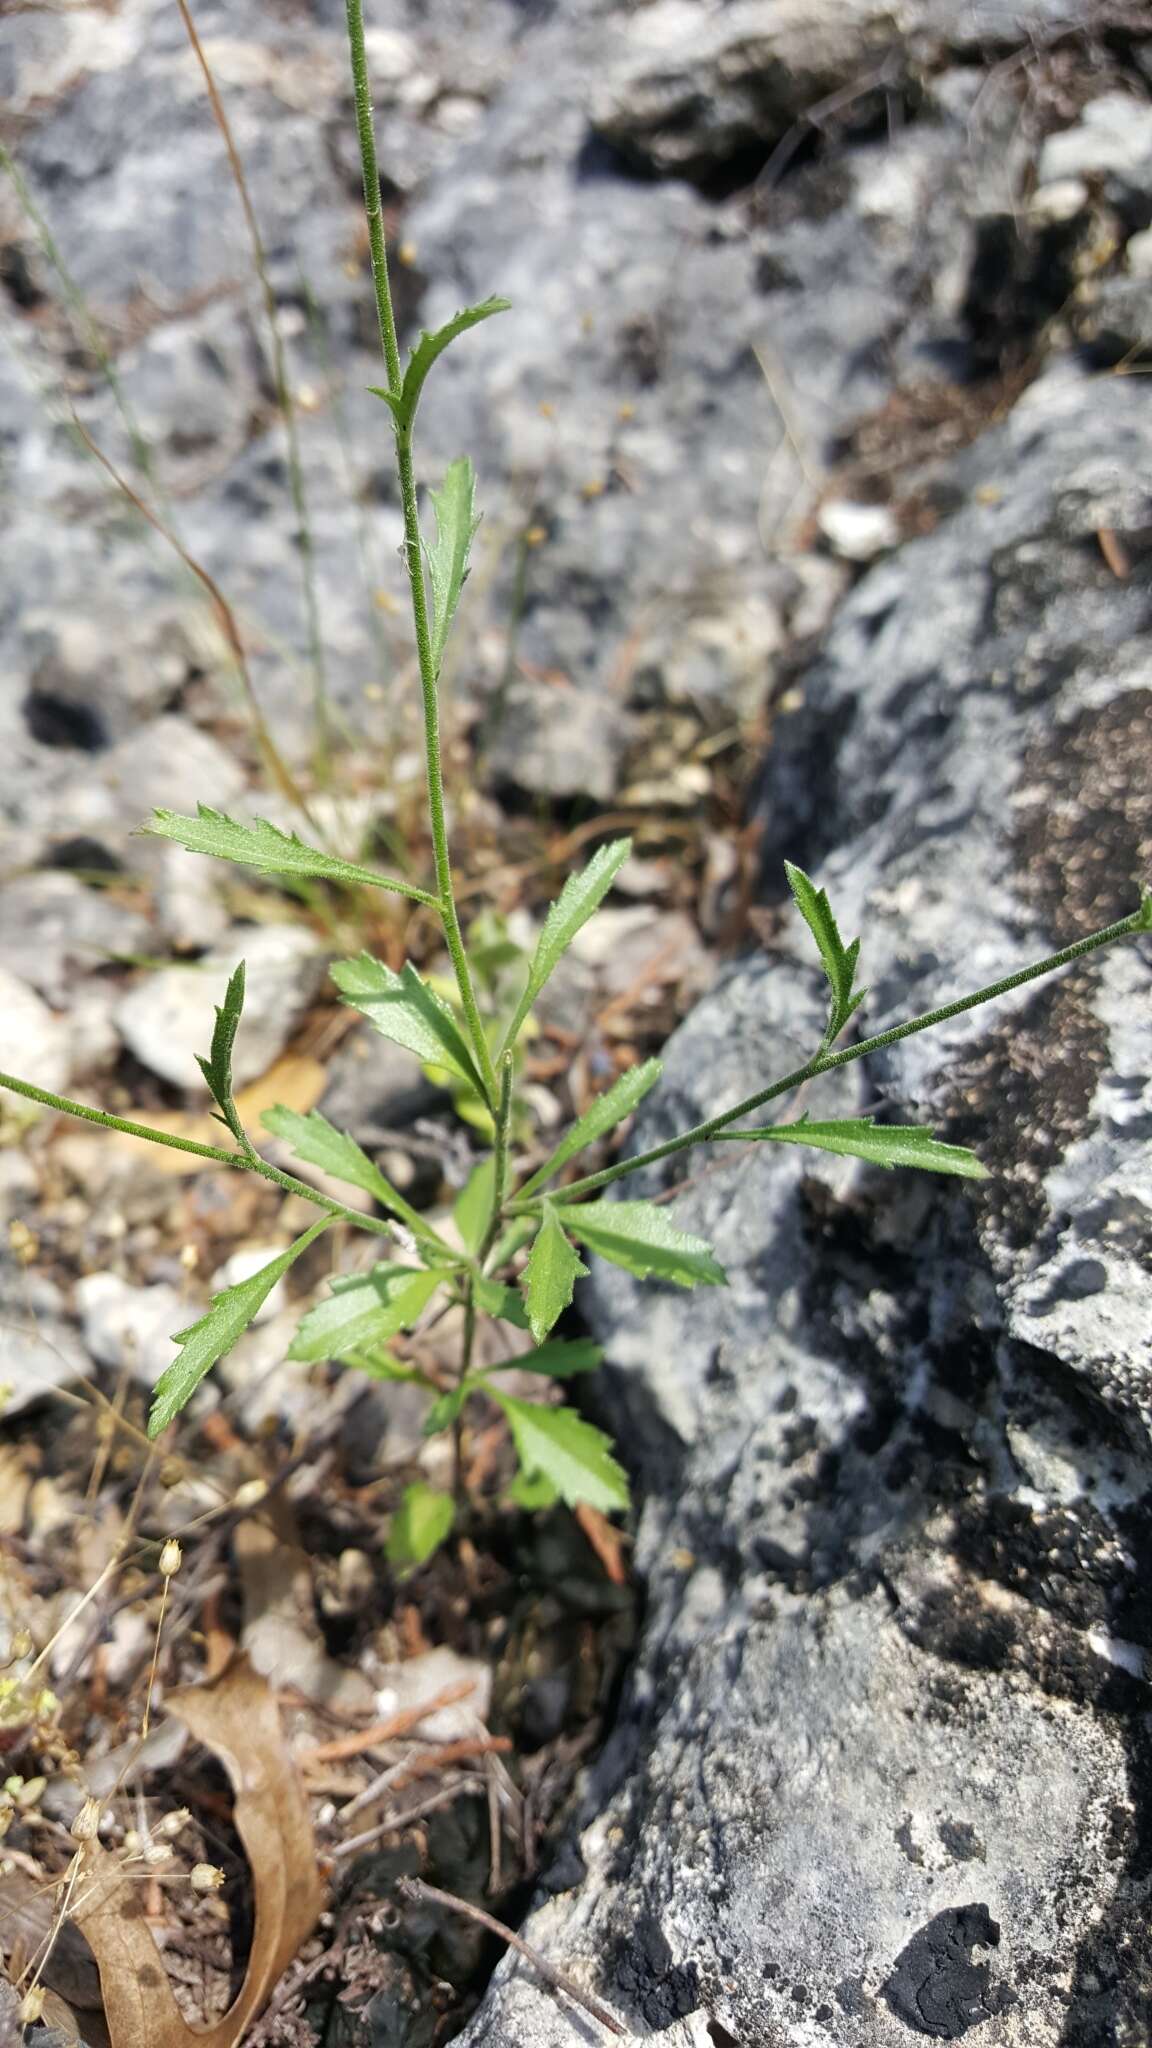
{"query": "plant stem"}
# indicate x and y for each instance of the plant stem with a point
(499, 1157)
(459, 1490)
(412, 552)
(249, 1162)
(824, 1062)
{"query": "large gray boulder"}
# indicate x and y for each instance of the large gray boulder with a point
(884, 1768)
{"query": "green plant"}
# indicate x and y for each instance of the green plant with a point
(469, 1033)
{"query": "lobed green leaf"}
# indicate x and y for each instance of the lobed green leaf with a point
(881, 1144)
(264, 846)
(402, 404)
(315, 1140)
(500, 1302)
(560, 1446)
(550, 1276)
(472, 1209)
(445, 1409)
(364, 1309)
(601, 1116)
(422, 1522)
(579, 898)
(640, 1237)
(840, 961)
(454, 507)
(217, 1068)
(404, 1009)
(532, 1492)
(204, 1342)
(561, 1359)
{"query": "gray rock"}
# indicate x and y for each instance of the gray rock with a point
(33, 1046)
(167, 1019)
(55, 929)
(552, 742)
(628, 410)
(375, 1088)
(691, 87)
(1114, 316)
(189, 903)
(1113, 134)
(130, 1328)
(882, 1764)
(38, 1347)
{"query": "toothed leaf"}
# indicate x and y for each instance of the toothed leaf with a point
(578, 899)
(315, 1140)
(263, 846)
(500, 1302)
(840, 961)
(217, 1068)
(472, 1209)
(454, 507)
(553, 1268)
(403, 404)
(532, 1494)
(558, 1445)
(404, 1009)
(881, 1144)
(643, 1239)
(600, 1117)
(422, 1522)
(560, 1359)
(363, 1309)
(204, 1342)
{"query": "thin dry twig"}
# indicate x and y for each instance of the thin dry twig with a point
(420, 1894)
(446, 1796)
(400, 1723)
(225, 619)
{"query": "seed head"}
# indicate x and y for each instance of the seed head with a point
(86, 1825)
(171, 1558)
(205, 1877)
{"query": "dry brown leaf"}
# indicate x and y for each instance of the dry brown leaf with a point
(27, 1918)
(236, 1718)
(295, 1080)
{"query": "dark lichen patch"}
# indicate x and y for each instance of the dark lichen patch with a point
(936, 1987)
(904, 1841)
(1084, 840)
(959, 1840)
(982, 1629)
(1069, 1563)
(646, 1976)
(1022, 1098)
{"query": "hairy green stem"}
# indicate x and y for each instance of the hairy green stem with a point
(499, 1157)
(413, 553)
(824, 1062)
(459, 1488)
(244, 1162)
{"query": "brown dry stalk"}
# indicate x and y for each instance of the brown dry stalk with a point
(451, 1753)
(225, 618)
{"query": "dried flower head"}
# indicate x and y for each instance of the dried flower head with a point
(205, 1877)
(171, 1558)
(86, 1825)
